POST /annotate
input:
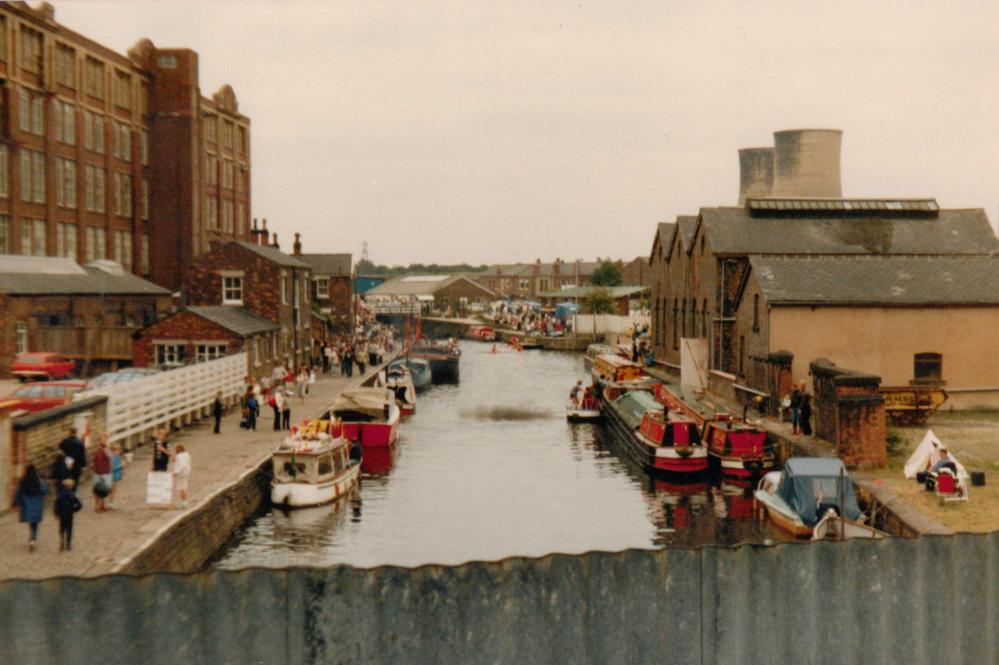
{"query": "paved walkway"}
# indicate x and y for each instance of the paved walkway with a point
(102, 540)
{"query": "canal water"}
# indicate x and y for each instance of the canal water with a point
(489, 469)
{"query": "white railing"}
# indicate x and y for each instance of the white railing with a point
(608, 323)
(175, 397)
(393, 307)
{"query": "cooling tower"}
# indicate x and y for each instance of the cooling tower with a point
(756, 173)
(806, 163)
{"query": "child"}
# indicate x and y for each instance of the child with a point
(66, 507)
(117, 467)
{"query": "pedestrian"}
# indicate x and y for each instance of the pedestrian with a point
(181, 472)
(334, 360)
(286, 414)
(276, 402)
(102, 475)
(30, 497)
(303, 384)
(71, 446)
(347, 363)
(61, 470)
(161, 454)
(796, 410)
(117, 472)
(361, 357)
(217, 408)
(66, 507)
(806, 411)
(252, 409)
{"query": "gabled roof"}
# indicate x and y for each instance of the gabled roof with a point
(272, 254)
(328, 264)
(685, 227)
(239, 320)
(40, 275)
(664, 238)
(878, 280)
(421, 285)
(733, 231)
(583, 291)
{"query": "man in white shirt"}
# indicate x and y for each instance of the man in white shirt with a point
(181, 472)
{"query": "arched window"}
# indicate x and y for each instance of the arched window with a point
(704, 320)
(928, 368)
(756, 312)
(683, 319)
(676, 328)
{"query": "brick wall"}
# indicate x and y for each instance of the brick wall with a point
(340, 301)
(850, 413)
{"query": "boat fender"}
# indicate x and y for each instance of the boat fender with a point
(684, 451)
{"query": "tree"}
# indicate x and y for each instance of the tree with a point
(598, 301)
(607, 274)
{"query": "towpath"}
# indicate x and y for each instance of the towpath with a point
(101, 541)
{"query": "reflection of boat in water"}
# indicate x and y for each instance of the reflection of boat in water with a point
(304, 522)
(809, 490)
(419, 370)
(657, 445)
(379, 460)
(312, 468)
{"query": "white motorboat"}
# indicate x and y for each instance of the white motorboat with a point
(312, 468)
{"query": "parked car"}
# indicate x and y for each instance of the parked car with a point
(121, 376)
(43, 395)
(42, 365)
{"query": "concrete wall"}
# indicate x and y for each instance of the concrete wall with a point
(926, 600)
(891, 336)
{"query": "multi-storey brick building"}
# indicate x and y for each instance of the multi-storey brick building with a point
(527, 280)
(104, 156)
(332, 285)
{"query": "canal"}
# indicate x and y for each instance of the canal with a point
(489, 469)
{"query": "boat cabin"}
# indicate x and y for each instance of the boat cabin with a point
(362, 405)
(679, 432)
(811, 485)
(310, 466)
(615, 369)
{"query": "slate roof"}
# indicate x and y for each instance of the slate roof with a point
(583, 291)
(272, 254)
(328, 264)
(239, 320)
(567, 269)
(37, 275)
(734, 231)
(420, 285)
(686, 224)
(878, 280)
(665, 231)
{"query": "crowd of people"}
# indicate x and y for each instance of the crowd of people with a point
(530, 319)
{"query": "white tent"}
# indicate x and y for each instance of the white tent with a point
(927, 454)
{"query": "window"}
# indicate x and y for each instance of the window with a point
(704, 319)
(742, 355)
(207, 352)
(65, 182)
(94, 84)
(676, 330)
(256, 352)
(96, 248)
(3, 38)
(32, 176)
(212, 212)
(244, 141)
(64, 121)
(4, 170)
(284, 289)
(167, 62)
(123, 249)
(65, 66)
(227, 224)
(169, 355)
(211, 169)
(66, 240)
(525, 284)
(31, 114)
(31, 50)
(122, 141)
(211, 128)
(144, 147)
(93, 131)
(227, 174)
(232, 290)
(756, 312)
(95, 188)
(145, 199)
(144, 253)
(5, 247)
(123, 90)
(928, 368)
(21, 335)
(240, 215)
(323, 287)
(123, 194)
(227, 134)
(33, 237)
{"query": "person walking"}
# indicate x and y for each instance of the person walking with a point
(181, 472)
(303, 384)
(347, 362)
(217, 408)
(102, 475)
(30, 497)
(806, 411)
(66, 506)
(286, 414)
(361, 357)
(796, 410)
(161, 455)
(276, 401)
(252, 409)
(117, 472)
(72, 447)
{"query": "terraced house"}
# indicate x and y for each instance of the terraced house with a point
(111, 156)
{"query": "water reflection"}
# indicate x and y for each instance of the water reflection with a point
(490, 468)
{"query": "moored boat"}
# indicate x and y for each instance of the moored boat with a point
(400, 381)
(657, 444)
(481, 333)
(370, 416)
(312, 469)
(419, 370)
(808, 490)
(587, 409)
(444, 359)
(594, 350)
(619, 376)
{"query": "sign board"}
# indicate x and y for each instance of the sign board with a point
(159, 488)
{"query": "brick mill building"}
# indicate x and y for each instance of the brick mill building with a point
(879, 286)
(105, 156)
(86, 313)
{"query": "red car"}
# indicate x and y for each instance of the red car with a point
(43, 395)
(42, 365)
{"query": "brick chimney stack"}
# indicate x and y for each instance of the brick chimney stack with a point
(263, 238)
(296, 248)
(275, 244)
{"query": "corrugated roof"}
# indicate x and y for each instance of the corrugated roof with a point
(272, 254)
(239, 320)
(328, 264)
(583, 291)
(406, 285)
(54, 276)
(735, 231)
(878, 280)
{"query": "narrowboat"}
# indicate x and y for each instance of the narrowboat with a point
(370, 416)
(594, 350)
(618, 376)
(813, 497)
(419, 371)
(736, 446)
(658, 445)
(481, 333)
(312, 469)
(399, 380)
(444, 360)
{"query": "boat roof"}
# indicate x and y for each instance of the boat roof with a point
(616, 360)
(371, 401)
(814, 466)
(633, 405)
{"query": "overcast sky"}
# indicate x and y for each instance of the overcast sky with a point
(500, 132)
